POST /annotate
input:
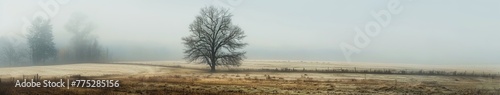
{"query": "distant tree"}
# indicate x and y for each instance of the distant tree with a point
(9, 54)
(14, 51)
(214, 39)
(40, 41)
(85, 46)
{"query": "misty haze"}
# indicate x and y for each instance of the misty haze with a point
(301, 46)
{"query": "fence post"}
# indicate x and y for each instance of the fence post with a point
(365, 76)
(396, 83)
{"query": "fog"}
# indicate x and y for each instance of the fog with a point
(424, 32)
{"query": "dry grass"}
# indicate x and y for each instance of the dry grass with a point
(173, 78)
(264, 83)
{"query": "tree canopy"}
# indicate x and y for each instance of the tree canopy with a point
(214, 39)
(40, 41)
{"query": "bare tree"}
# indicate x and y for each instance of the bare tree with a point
(214, 39)
(85, 46)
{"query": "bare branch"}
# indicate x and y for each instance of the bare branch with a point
(214, 39)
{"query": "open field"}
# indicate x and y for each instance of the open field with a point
(262, 77)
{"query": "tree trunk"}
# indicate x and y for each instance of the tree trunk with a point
(212, 68)
(213, 62)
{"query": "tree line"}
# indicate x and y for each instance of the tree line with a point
(39, 48)
(215, 41)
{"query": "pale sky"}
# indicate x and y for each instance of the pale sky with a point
(424, 32)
